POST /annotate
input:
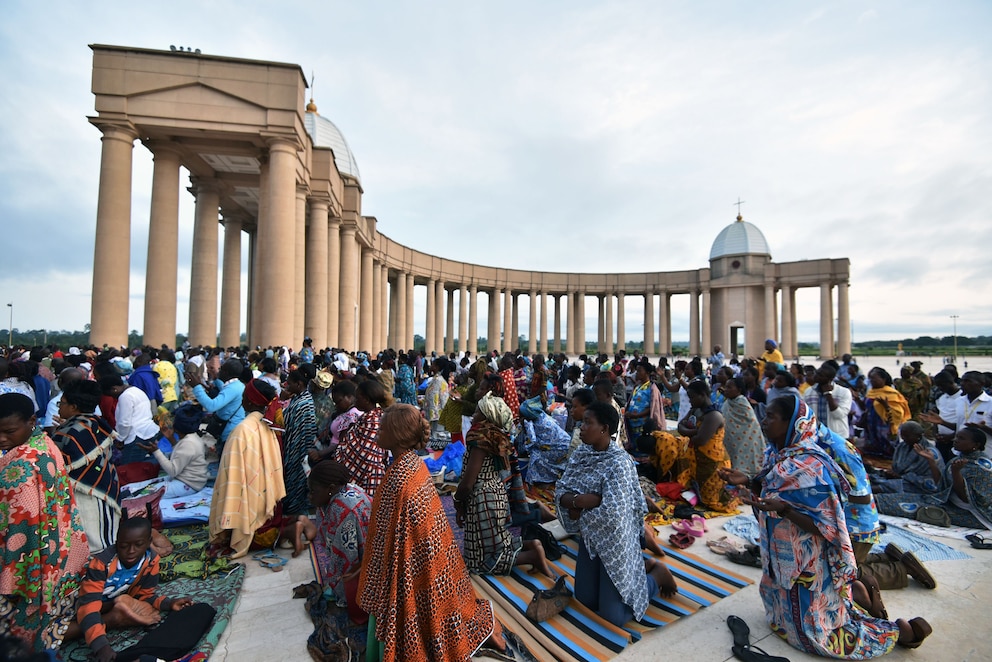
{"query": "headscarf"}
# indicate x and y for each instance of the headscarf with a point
(496, 411)
(773, 343)
(493, 433)
(254, 395)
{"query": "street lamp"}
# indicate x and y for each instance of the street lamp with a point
(10, 327)
(955, 357)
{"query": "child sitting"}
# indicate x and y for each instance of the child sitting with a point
(187, 465)
(118, 589)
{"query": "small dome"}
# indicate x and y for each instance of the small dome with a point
(739, 238)
(324, 133)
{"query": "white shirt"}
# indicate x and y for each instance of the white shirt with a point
(837, 419)
(53, 411)
(978, 410)
(134, 418)
(947, 408)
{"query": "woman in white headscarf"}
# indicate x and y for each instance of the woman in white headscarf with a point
(481, 503)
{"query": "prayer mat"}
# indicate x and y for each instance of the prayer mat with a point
(330, 621)
(189, 555)
(220, 591)
(578, 633)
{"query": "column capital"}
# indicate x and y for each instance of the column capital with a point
(162, 147)
(121, 130)
(282, 142)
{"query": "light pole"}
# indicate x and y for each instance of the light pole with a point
(955, 357)
(10, 327)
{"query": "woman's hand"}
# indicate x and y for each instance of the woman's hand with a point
(776, 506)
(149, 447)
(733, 476)
(460, 513)
(182, 603)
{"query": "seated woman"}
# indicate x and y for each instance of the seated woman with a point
(249, 481)
(358, 450)
(798, 499)
(481, 503)
(645, 402)
(414, 582)
(743, 439)
(187, 464)
(343, 511)
(885, 410)
(547, 445)
(964, 491)
(44, 549)
(600, 498)
(119, 589)
(916, 464)
(696, 457)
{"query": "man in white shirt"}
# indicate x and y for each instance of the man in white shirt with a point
(829, 401)
(134, 419)
(972, 407)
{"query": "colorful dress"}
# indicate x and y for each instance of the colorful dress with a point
(548, 446)
(366, 462)
(885, 410)
(406, 386)
(490, 548)
(435, 398)
(343, 524)
(645, 398)
(297, 441)
(696, 467)
(414, 582)
(743, 438)
(44, 548)
(806, 583)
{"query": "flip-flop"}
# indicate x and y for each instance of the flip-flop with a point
(747, 557)
(271, 560)
(681, 540)
(690, 527)
(978, 541)
(699, 522)
(724, 546)
(742, 648)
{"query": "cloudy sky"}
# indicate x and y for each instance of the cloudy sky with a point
(565, 136)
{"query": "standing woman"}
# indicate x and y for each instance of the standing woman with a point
(406, 385)
(413, 582)
(436, 395)
(744, 440)
(298, 439)
(481, 503)
(600, 498)
(44, 548)
(806, 553)
(645, 402)
(358, 450)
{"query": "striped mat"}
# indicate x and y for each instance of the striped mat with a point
(578, 633)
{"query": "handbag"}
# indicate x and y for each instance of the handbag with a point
(216, 424)
(550, 602)
(933, 515)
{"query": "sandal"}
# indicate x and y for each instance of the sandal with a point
(978, 541)
(921, 630)
(742, 648)
(271, 560)
(689, 527)
(700, 522)
(746, 557)
(724, 546)
(681, 540)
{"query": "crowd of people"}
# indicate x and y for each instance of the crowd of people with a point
(328, 445)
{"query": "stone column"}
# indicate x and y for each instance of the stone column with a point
(230, 300)
(557, 331)
(300, 268)
(492, 332)
(608, 320)
(430, 336)
(449, 323)
(463, 313)
(542, 342)
(694, 323)
(826, 321)
(163, 248)
(112, 247)
(472, 337)
(707, 341)
(532, 343)
(276, 249)
(843, 319)
(786, 337)
(386, 307)
(664, 324)
(514, 322)
(580, 320)
(251, 316)
(333, 280)
(410, 284)
(317, 244)
(366, 301)
(769, 311)
(203, 269)
(621, 331)
(439, 317)
(508, 310)
(349, 284)
(400, 339)
(649, 324)
(601, 325)
(377, 309)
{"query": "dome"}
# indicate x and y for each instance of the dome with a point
(739, 238)
(324, 133)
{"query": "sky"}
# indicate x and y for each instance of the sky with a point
(564, 136)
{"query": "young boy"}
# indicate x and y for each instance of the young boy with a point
(118, 589)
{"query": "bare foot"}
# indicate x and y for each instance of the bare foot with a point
(161, 544)
(128, 612)
(651, 541)
(533, 553)
(662, 577)
(297, 538)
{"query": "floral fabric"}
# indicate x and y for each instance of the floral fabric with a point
(343, 525)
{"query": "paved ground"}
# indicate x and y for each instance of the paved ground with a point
(268, 624)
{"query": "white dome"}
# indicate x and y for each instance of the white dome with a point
(739, 238)
(324, 133)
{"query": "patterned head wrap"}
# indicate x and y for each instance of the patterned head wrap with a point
(496, 411)
(254, 395)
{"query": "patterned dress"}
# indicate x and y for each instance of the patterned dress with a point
(806, 583)
(297, 441)
(490, 548)
(744, 440)
(360, 454)
(44, 548)
(414, 582)
(406, 387)
(343, 524)
(435, 398)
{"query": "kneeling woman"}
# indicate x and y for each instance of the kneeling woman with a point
(600, 498)
(343, 512)
(809, 567)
